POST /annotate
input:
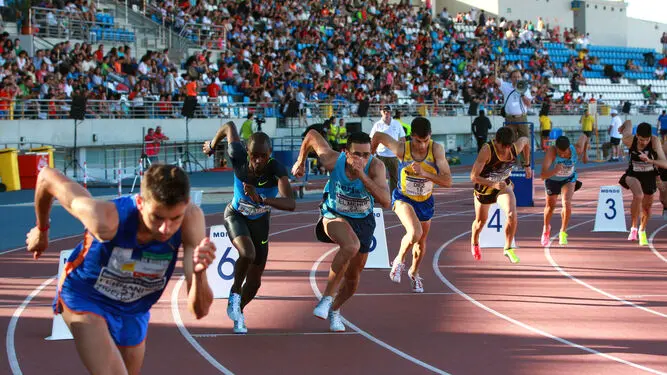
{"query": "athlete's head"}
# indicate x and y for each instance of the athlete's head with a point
(164, 198)
(421, 134)
(505, 136)
(562, 146)
(358, 146)
(259, 151)
(644, 133)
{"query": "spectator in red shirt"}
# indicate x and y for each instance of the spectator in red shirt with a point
(150, 146)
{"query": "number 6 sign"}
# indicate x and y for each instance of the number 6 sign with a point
(610, 215)
(220, 274)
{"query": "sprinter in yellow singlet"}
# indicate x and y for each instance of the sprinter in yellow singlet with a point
(422, 163)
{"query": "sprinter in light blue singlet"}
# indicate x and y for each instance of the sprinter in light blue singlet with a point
(560, 178)
(357, 181)
(122, 266)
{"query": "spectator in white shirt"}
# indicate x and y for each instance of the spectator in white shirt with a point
(615, 136)
(516, 104)
(395, 130)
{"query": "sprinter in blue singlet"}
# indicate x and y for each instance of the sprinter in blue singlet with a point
(357, 181)
(120, 269)
(258, 178)
(560, 178)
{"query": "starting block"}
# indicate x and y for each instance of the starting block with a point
(379, 255)
(220, 275)
(610, 213)
(493, 232)
(59, 330)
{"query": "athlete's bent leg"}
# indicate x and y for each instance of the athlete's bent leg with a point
(246, 251)
(413, 230)
(647, 202)
(252, 283)
(637, 198)
(549, 208)
(133, 356)
(341, 233)
(566, 196)
(507, 202)
(350, 281)
(96, 348)
(481, 214)
(419, 249)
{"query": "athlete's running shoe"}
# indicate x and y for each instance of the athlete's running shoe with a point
(417, 283)
(396, 270)
(322, 309)
(562, 238)
(239, 325)
(546, 235)
(633, 234)
(509, 253)
(476, 252)
(643, 241)
(335, 321)
(234, 306)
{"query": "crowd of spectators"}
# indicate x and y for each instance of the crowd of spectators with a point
(309, 52)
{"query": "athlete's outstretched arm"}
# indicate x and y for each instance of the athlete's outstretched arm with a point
(582, 146)
(314, 141)
(549, 158)
(397, 147)
(100, 218)
(444, 176)
(376, 182)
(626, 132)
(286, 200)
(198, 254)
(228, 130)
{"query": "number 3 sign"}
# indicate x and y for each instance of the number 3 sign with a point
(220, 274)
(610, 216)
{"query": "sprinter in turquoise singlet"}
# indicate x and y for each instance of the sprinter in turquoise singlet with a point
(122, 266)
(358, 180)
(560, 178)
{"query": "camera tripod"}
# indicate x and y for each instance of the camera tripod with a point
(187, 159)
(74, 161)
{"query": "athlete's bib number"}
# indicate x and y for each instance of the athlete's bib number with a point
(349, 204)
(249, 209)
(640, 166)
(499, 176)
(418, 187)
(566, 171)
(127, 280)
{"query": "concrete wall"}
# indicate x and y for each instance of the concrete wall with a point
(554, 12)
(606, 22)
(645, 34)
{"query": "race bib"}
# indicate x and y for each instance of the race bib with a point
(500, 175)
(349, 204)
(127, 280)
(566, 171)
(418, 187)
(251, 209)
(640, 166)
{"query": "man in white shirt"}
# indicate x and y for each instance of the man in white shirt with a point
(516, 104)
(395, 130)
(615, 136)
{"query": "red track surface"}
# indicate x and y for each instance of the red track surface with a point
(496, 318)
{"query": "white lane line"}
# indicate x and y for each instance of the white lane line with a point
(652, 247)
(269, 334)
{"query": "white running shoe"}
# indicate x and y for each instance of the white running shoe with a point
(322, 309)
(396, 270)
(239, 325)
(234, 306)
(417, 284)
(335, 321)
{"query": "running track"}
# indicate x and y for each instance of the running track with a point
(597, 306)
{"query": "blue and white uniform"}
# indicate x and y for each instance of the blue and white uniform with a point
(568, 173)
(119, 280)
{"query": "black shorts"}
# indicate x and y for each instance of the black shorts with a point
(663, 132)
(646, 180)
(491, 197)
(588, 133)
(258, 230)
(546, 133)
(554, 187)
(363, 227)
(615, 141)
(663, 174)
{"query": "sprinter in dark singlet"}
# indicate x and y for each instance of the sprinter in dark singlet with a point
(640, 177)
(258, 178)
(491, 176)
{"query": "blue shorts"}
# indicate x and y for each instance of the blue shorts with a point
(125, 330)
(363, 227)
(424, 210)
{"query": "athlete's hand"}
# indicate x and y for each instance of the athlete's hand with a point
(357, 165)
(203, 255)
(529, 172)
(207, 148)
(298, 169)
(37, 241)
(500, 185)
(643, 157)
(417, 168)
(250, 191)
(558, 168)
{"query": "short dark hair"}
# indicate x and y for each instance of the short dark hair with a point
(358, 137)
(259, 137)
(421, 127)
(562, 143)
(644, 130)
(505, 136)
(165, 184)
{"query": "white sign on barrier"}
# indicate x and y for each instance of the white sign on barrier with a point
(59, 330)
(610, 214)
(196, 197)
(493, 232)
(379, 256)
(220, 274)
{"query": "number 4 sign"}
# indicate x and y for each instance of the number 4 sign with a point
(221, 273)
(610, 215)
(493, 232)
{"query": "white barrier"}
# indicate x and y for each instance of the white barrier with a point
(610, 214)
(379, 256)
(220, 275)
(493, 231)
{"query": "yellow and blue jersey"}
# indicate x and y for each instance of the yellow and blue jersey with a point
(410, 185)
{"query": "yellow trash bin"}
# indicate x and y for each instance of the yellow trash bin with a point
(605, 110)
(48, 149)
(9, 169)
(422, 109)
